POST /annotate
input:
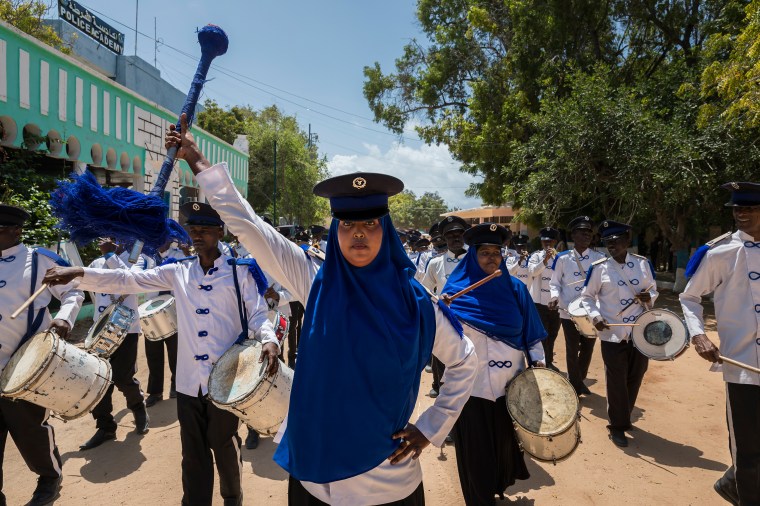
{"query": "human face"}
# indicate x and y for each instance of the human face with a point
(521, 248)
(205, 239)
(582, 238)
(548, 243)
(489, 258)
(748, 220)
(360, 241)
(618, 248)
(454, 240)
(10, 235)
(106, 245)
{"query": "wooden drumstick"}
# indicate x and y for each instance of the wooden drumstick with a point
(447, 299)
(739, 364)
(26, 304)
(622, 324)
(634, 300)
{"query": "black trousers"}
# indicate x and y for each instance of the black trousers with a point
(578, 351)
(489, 458)
(154, 354)
(299, 496)
(438, 369)
(123, 369)
(743, 410)
(294, 331)
(550, 319)
(624, 368)
(34, 437)
(204, 428)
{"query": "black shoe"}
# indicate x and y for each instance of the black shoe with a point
(584, 390)
(141, 419)
(47, 491)
(553, 368)
(153, 399)
(726, 487)
(173, 393)
(100, 437)
(618, 437)
(252, 440)
(433, 393)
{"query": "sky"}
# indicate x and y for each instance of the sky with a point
(307, 58)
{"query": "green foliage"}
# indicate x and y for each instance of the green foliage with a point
(410, 211)
(28, 17)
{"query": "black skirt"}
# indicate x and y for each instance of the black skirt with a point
(489, 458)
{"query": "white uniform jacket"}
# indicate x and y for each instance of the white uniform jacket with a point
(540, 277)
(730, 269)
(439, 269)
(208, 319)
(287, 263)
(612, 286)
(518, 269)
(567, 279)
(16, 287)
(103, 300)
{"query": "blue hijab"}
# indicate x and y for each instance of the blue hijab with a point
(367, 334)
(502, 308)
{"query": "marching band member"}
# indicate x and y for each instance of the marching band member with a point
(21, 269)
(123, 360)
(618, 289)
(438, 271)
(366, 314)
(439, 243)
(729, 267)
(570, 269)
(539, 267)
(504, 326)
(517, 264)
(423, 255)
(207, 301)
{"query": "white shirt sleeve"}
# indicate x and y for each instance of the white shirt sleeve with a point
(590, 294)
(536, 265)
(259, 326)
(121, 281)
(71, 301)
(555, 285)
(704, 281)
(537, 352)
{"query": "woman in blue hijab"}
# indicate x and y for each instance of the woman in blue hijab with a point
(505, 328)
(368, 331)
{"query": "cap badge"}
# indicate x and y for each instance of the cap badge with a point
(196, 207)
(605, 224)
(735, 186)
(493, 227)
(359, 183)
(587, 218)
(450, 219)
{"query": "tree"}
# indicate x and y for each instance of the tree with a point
(409, 211)
(28, 16)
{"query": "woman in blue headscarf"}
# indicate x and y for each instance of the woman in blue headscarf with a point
(505, 328)
(368, 331)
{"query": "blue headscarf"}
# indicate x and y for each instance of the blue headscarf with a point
(502, 308)
(367, 334)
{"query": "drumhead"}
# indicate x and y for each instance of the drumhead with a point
(237, 373)
(542, 401)
(575, 308)
(154, 305)
(660, 335)
(27, 362)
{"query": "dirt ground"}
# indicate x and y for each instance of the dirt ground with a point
(678, 449)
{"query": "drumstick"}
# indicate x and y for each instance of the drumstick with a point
(576, 282)
(739, 364)
(26, 304)
(623, 324)
(447, 299)
(634, 300)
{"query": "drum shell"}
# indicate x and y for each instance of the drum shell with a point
(104, 342)
(549, 448)
(70, 382)
(581, 319)
(159, 324)
(265, 403)
(677, 344)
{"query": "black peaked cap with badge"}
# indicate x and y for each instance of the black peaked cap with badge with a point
(610, 229)
(520, 240)
(581, 222)
(450, 223)
(302, 235)
(359, 196)
(435, 231)
(12, 216)
(743, 194)
(486, 234)
(198, 213)
(548, 234)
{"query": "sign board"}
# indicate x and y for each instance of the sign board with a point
(81, 18)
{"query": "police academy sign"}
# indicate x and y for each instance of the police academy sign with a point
(89, 23)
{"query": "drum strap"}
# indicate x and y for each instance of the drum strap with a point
(241, 305)
(32, 322)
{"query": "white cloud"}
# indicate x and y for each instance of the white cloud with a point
(423, 169)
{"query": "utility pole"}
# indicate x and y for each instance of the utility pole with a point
(155, 42)
(276, 220)
(137, 8)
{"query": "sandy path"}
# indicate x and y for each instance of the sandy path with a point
(679, 448)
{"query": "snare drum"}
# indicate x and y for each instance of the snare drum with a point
(158, 318)
(546, 414)
(581, 319)
(49, 372)
(660, 334)
(281, 326)
(238, 383)
(107, 334)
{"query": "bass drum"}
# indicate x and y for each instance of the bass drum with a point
(546, 414)
(660, 334)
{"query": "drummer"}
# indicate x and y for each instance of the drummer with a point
(730, 267)
(368, 332)
(504, 326)
(21, 270)
(617, 291)
(207, 302)
(124, 359)
(570, 269)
